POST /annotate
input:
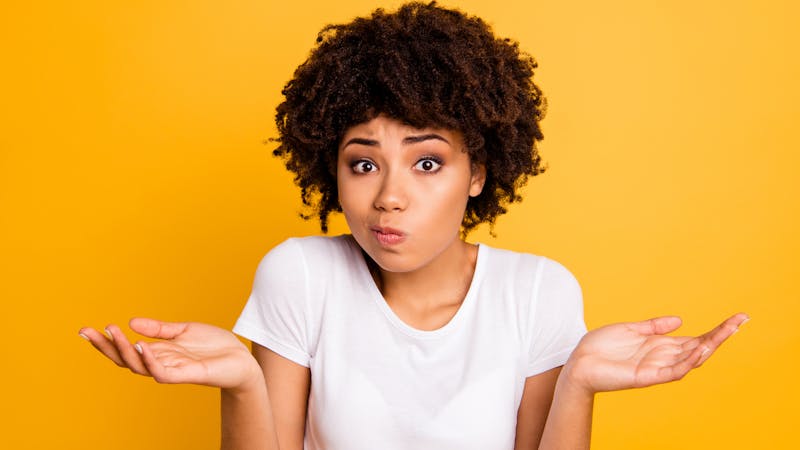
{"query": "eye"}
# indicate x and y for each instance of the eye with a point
(363, 166)
(428, 164)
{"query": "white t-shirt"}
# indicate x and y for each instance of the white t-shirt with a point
(376, 382)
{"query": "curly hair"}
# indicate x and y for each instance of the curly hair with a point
(427, 66)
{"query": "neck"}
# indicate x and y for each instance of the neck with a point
(443, 282)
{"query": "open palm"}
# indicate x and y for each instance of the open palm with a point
(639, 354)
(185, 352)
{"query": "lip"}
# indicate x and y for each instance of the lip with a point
(388, 236)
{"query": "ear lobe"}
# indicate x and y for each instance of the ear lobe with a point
(478, 180)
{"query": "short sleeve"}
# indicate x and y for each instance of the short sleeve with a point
(276, 313)
(557, 317)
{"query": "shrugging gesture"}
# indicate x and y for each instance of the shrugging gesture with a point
(639, 354)
(185, 352)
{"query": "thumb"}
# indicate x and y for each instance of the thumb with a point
(657, 325)
(157, 329)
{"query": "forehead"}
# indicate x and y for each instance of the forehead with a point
(387, 127)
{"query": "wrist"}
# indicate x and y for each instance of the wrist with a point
(572, 380)
(252, 381)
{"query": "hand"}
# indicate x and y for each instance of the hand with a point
(638, 354)
(187, 352)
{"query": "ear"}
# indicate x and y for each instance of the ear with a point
(477, 180)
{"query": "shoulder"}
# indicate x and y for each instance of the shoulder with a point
(305, 250)
(522, 266)
(540, 287)
(307, 262)
(547, 302)
(555, 278)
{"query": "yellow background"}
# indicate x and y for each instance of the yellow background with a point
(134, 181)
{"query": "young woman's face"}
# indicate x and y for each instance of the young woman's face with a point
(404, 190)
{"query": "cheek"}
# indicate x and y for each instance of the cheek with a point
(343, 188)
(449, 200)
(352, 197)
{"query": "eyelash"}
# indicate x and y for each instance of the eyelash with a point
(435, 159)
(355, 164)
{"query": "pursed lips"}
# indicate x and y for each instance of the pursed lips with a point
(387, 235)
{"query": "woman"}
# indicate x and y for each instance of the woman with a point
(418, 125)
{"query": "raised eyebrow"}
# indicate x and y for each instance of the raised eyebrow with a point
(424, 137)
(361, 141)
(406, 141)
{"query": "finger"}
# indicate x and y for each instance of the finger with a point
(718, 334)
(161, 347)
(740, 318)
(670, 340)
(156, 328)
(102, 344)
(126, 351)
(683, 366)
(666, 354)
(658, 325)
(731, 324)
(150, 361)
(723, 331)
(689, 348)
(716, 337)
(691, 343)
(161, 372)
(169, 355)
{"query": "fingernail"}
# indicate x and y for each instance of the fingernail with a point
(138, 348)
(706, 350)
(84, 336)
(745, 321)
(110, 336)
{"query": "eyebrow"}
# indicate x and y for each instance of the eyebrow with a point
(406, 141)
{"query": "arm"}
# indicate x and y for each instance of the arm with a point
(247, 419)
(569, 422)
(552, 414)
(196, 353)
(533, 408)
(288, 384)
(251, 418)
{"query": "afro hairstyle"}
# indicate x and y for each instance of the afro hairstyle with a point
(424, 65)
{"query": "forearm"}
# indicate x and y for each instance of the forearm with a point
(247, 422)
(569, 422)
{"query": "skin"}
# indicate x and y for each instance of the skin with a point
(403, 192)
(417, 183)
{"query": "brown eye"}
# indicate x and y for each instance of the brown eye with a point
(428, 165)
(363, 166)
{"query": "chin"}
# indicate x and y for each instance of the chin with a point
(391, 262)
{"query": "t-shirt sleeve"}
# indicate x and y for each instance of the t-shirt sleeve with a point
(276, 313)
(557, 317)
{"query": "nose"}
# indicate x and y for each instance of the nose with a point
(392, 194)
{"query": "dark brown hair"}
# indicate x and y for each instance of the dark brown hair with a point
(427, 66)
